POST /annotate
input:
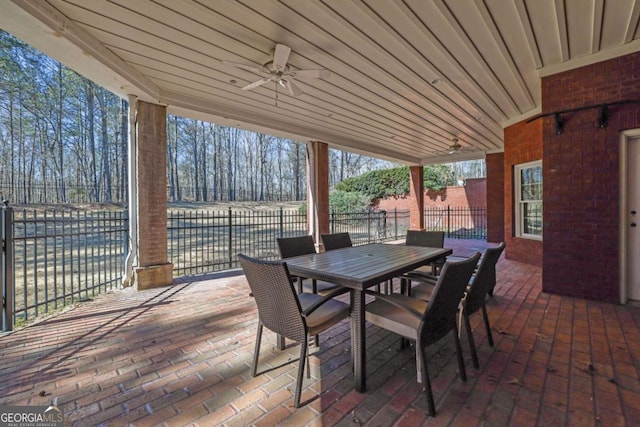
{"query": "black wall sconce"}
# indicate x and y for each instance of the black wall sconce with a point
(559, 124)
(603, 117)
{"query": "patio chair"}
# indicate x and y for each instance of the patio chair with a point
(303, 245)
(430, 239)
(481, 284)
(426, 322)
(336, 241)
(288, 314)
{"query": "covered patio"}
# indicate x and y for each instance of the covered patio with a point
(181, 356)
(408, 81)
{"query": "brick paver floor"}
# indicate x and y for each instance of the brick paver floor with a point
(181, 355)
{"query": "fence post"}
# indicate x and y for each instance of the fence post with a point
(230, 239)
(281, 222)
(8, 285)
(395, 223)
(448, 220)
(332, 221)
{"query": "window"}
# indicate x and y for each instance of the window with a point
(528, 203)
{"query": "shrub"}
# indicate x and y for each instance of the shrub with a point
(348, 201)
(379, 184)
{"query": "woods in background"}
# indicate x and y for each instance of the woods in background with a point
(63, 139)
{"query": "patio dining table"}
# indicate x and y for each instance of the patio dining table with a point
(358, 268)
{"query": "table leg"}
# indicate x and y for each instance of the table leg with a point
(358, 340)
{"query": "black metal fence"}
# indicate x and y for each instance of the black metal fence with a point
(457, 222)
(208, 241)
(58, 258)
(54, 258)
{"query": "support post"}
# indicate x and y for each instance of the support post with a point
(154, 269)
(317, 189)
(416, 197)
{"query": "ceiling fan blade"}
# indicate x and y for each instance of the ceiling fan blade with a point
(293, 89)
(312, 74)
(256, 84)
(281, 56)
(245, 67)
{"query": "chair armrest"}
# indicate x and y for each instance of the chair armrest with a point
(395, 302)
(313, 307)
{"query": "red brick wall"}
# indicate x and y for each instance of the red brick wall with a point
(494, 197)
(522, 144)
(581, 177)
(472, 194)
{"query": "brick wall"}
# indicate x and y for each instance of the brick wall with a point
(494, 197)
(522, 144)
(474, 193)
(581, 177)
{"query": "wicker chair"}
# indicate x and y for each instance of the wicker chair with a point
(336, 241)
(430, 239)
(290, 315)
(303, 245)
(426, 321)
(481, 284)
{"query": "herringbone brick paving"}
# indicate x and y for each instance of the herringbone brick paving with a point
(181, 356)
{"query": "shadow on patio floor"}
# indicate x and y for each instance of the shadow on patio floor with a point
(181, 356)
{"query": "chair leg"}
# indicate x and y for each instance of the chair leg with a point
(472, 344)
(316, 340)
(303, 358)
(280, 342)
(256, 351)
(463, 372)
(421, 360)
(486, 324)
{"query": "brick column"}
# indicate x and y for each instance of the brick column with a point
(153, 269)
(317, 189)
(495, 197)
(416, 198)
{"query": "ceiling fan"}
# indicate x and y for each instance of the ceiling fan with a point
(457, 148)
(277, 70)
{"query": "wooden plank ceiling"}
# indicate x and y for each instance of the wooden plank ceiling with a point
(407, 76)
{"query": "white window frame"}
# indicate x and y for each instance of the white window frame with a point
(519, 203)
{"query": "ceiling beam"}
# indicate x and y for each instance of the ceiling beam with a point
(60, 26)
(525, 22)
(489, 22)
(563, 35)
(596, 32)
(632, 26)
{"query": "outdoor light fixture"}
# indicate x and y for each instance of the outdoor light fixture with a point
(603, 117)
(559, 124)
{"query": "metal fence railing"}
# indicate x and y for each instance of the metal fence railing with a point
(59, 258)
(206, 241)
(53, 258)
(457, 222)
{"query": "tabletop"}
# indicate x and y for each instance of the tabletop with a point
(360, 267)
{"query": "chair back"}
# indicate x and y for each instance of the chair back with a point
(483, 279)
(278, 307)
(430, 239)
(294, 246)
(440, 315)
(336, 241)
